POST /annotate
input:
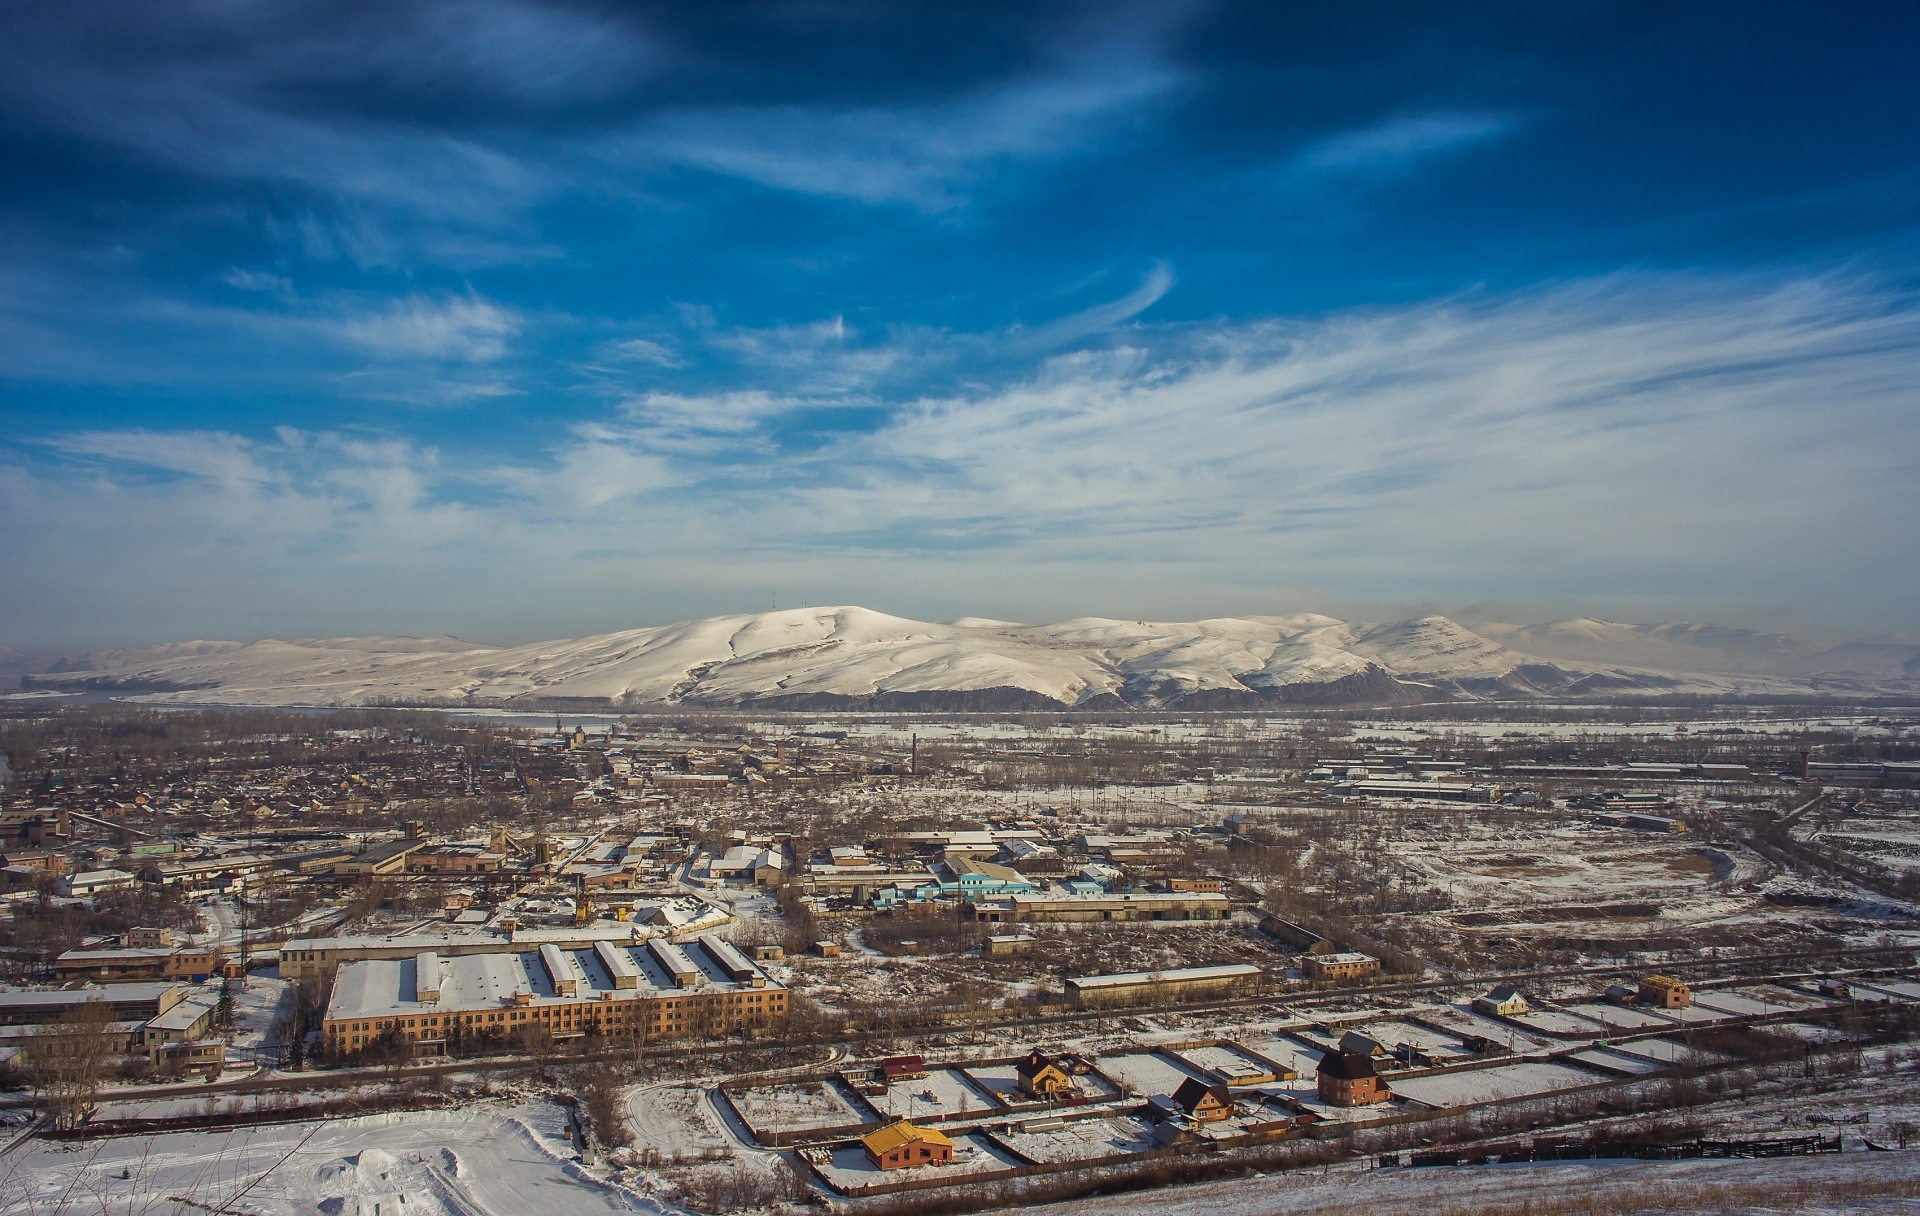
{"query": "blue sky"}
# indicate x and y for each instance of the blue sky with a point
(518, 319)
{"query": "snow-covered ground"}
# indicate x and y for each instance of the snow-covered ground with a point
(1149, 1074)
(1817, 1186)
(796, 1107)
(1081, 1139)
(1492, 1084)
(492, 1160)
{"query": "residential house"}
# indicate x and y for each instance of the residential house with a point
(1347, 1078)
(900, 1146)
(1504, 1001)
(1198, 1100)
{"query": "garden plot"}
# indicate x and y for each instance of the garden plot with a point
(1149, 1074)
(1493, 1084)
(1619, 1017)
(971, 1155)
(942, 1094)
(798, 1107)
(1556, 1022)
(1791, 998)
(1737, 1004)
(1696, 1015)
(1461, 1020)
(1617, 1061)
(1294, 1054)
(1668, 1051)
(1082, 1140)
(999, 1079)
(1228, 1063)
(1900, 990)
(1392, 1034)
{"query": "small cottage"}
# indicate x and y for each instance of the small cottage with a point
(1198, 1100)
(1504, 1001)
(900, 1146)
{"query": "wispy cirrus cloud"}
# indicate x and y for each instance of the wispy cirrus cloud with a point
(1406, 139)
(464, 328)
(1618, 436)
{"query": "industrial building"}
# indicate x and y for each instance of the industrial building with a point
(1042, 908)
(652, 989)
(1152, 987)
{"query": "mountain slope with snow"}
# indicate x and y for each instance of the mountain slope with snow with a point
(851, 657)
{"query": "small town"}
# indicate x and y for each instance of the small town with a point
(744, 961)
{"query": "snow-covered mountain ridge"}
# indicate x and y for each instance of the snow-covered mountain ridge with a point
(851, 657)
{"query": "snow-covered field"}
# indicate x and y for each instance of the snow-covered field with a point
(786, 1108)
(1081, 1139)
(1619, 1017)
(1817, 1186)
(1148, 1074)
(493, 1160)
(942, 1093)
(1554, 1021)
(1223, 1059)
(1492, 1084)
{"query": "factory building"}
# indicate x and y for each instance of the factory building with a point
(655, 989)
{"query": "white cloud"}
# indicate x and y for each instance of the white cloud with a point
(925, 156)
(1401, 141)
(1665, 439)
(465, 328)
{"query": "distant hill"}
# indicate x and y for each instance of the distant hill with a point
(851, 657)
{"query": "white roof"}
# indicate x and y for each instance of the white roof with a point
(1230, 970)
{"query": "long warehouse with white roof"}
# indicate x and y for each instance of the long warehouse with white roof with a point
(654, 989)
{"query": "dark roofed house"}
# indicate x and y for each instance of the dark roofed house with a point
(1044, 1077)
(1198, 1100)
(1347, 1078)
(1353, 1040)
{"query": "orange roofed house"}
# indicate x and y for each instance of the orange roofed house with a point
(900, 1146)
(1347, 1078)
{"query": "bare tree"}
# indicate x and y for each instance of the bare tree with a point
(67, 1061)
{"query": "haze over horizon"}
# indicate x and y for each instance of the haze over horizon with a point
(522, 320)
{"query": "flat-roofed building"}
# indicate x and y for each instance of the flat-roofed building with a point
(1345, 965)
(380, 860)
(307, 956)
(125, 1002)
(91, 882)
(119, 966)
(1153, 987)
(656, 990)
(1046, 907)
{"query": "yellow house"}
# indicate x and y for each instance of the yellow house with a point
(1505, 1001)
(1042, 1078)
